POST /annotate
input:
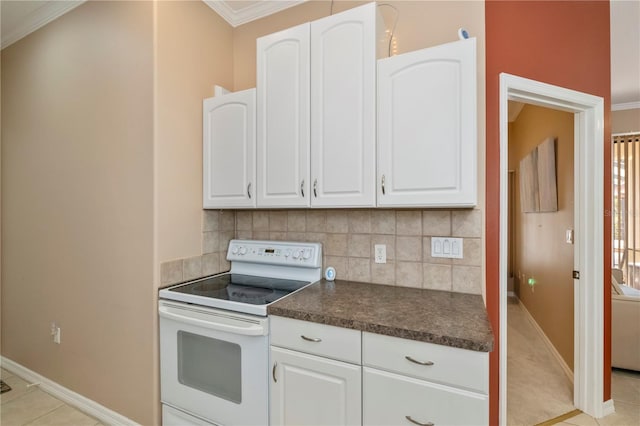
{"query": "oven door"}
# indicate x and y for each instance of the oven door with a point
(214, 364)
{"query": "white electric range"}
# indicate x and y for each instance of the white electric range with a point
(214, 345)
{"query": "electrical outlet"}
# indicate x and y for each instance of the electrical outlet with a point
(380, 253)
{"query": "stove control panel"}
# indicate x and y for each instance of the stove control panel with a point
(308, 255)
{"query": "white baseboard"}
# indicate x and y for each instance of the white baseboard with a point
(567, 371)
(92, 408)
(608, 408)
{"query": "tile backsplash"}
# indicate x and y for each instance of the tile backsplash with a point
(348, 238)
(218, 228)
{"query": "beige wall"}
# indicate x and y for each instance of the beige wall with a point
(111, 146)
(540, 248)
(625, 121)
(77, 211)
(194, 52)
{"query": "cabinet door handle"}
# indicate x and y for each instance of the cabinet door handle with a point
(273, 372)
(302, 188)
(315, 188)
(415, 361)
(249, 190)
(418, 423)
(311, 339)
(383, 192)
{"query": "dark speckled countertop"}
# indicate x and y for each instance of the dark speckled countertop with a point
(441, 317)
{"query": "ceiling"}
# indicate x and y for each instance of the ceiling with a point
(21, 17)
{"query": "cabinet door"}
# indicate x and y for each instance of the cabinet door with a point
(229, 143)
(343, 57)
(283, 118)
(389, 399)
(427, 136)
(310, 390)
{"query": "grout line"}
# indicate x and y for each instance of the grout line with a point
(45, 414)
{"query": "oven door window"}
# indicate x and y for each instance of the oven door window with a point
(210, 365)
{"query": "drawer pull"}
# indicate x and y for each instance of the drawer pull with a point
(273, 372)
(418, 423)
(415, 361)
(311, 339)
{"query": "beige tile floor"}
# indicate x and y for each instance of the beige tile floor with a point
(31, 406)
(540, 391)
(625, 390)
(537, 388)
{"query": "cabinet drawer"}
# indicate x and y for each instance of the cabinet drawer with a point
(318, 339)
(452, 366)
(389, 398)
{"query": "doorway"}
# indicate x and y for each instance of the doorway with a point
(588, 111)
(540, 310)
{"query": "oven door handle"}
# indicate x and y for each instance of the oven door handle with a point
(251, 330)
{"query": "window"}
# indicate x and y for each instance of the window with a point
(626, 207)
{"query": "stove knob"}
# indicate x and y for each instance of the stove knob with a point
(234, 250)
(243, 250)
(296, 254)
(287, 253)
(307, 254)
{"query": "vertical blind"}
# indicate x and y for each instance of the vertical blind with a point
(626, 206)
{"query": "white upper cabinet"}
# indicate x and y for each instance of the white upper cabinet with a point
(343, 104)
(316, 112)
(283, 88)
(427, 131)
(229, 140)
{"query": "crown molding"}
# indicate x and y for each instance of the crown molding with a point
(38, 18)
(250, 13)
(627, 105)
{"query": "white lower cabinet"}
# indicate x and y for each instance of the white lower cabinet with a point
(311, 390)
(409, 382)
(385, 381)
(311, 384)
(392, 399)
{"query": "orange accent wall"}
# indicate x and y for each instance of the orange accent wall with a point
(564, 43)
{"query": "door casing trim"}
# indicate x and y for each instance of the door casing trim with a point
(588, 113)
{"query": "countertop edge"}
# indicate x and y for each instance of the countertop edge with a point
(402, 333)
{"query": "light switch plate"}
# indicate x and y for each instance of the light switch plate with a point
(447, 247)
(569, 236)
(380, 253)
